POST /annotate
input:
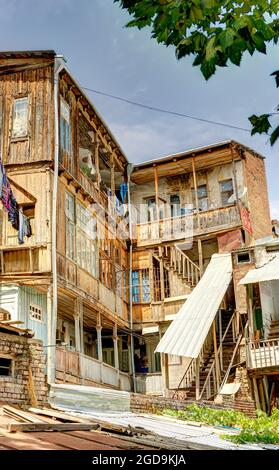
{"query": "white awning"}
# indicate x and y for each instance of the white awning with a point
(267, 272)
(187, 333)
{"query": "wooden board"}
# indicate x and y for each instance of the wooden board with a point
(39, 427)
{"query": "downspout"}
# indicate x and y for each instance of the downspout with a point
(59, 64)
(129, 171)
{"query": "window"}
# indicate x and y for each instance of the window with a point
(175, 205)
(36, 312)
(5, 366)
(135, 287)
(20, 117)
(141, 286)
(152, 209)
(202, 197)
(81, 235)
(243, 258)
(86, 240)
(145, 285)
(118, 280)
(70, 226)
(226, 190)
(174, 360)
(65, 128)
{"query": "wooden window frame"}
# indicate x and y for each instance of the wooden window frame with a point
(140, 286)
(37, 307)
(222, 192)
(20, 135)
(65, 128)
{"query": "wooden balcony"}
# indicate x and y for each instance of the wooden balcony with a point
(166, 309)
(149, 383)
(78, 367)
(188, 226)
(263, 354)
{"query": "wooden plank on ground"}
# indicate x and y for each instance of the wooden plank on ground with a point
(104, 438)
(21, 415)
(71, 442)
(39, 427)
(58, 415)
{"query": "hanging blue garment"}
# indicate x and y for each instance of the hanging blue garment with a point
(123, 191)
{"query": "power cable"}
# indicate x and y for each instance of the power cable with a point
(165, 111)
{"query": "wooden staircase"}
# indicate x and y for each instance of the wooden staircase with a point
(174, 258)
(273, 332)
(227, 349)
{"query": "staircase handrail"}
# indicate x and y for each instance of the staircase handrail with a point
(218, 352)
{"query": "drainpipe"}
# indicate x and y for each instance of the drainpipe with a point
(59, 64)
(129, 171)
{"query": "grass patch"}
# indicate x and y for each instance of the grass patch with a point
(263, 429)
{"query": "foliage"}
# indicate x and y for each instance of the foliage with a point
(261, 429)
(214, 32)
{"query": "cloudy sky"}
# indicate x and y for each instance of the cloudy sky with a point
(105, 56)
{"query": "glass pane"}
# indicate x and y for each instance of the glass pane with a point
(20, 117)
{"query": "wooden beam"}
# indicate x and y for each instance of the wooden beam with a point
(200, 256)
(217, 365)
(256, 393)
(41, 427)
(197, 378)
(195, 189)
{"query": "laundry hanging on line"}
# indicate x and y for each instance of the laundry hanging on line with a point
(19, 221)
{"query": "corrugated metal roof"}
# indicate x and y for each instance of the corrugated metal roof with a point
(186, 334)
(267, 272)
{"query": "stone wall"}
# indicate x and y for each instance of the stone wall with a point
(27, 378)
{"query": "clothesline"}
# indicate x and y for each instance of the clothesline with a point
(18, 220)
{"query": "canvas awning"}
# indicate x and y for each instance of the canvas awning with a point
(187, 333)
(266, 272)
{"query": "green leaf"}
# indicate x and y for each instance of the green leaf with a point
(259, 43)
(276, 75)
(226, 38)
(260, 124)
(274, 136)
(208, 69)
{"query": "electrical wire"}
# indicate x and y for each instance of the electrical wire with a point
(166, 111)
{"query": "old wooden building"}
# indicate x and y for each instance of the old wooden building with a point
(113, 252)
(68, 281)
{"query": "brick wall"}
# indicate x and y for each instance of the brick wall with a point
(258, 196)
(26, 354)
(242, 401)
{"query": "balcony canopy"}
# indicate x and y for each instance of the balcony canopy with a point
(269, 271)
(187, 333)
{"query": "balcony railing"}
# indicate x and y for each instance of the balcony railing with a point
(262, 354)
(149, 383)
(188, 226)
(85, 367)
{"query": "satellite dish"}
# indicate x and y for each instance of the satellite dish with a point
(232, 198)
(242, 194)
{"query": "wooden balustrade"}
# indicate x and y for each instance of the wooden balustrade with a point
(263, 353)
(151, 383)
(85, 367)
(188, 226)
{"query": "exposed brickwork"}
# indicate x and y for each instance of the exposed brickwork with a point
(242, 401)
(258, 196)
(24, 352)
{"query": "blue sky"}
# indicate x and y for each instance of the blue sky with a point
(104, 55)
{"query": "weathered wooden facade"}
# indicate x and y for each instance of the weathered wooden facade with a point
(98, 291)
(65, 170)
(190, 206)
